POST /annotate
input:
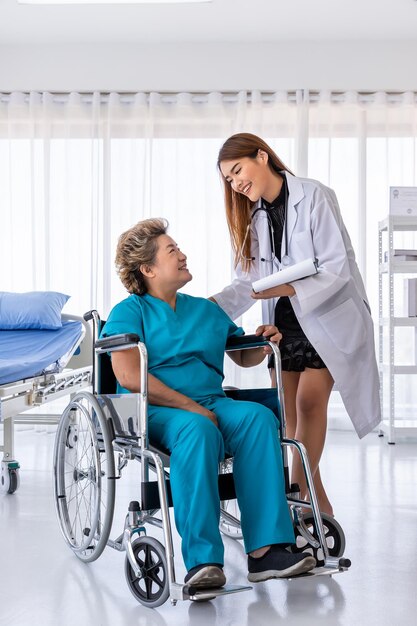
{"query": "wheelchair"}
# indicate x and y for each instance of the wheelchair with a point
(100, 432)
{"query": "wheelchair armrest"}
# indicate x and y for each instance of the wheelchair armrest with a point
(245, 341)
(117, 342)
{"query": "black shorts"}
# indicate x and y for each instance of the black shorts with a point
(297, 353)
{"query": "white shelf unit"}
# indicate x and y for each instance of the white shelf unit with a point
(392, 425)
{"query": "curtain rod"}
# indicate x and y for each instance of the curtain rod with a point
(230, 97)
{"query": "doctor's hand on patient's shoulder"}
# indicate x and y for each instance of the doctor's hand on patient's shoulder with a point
(274, 292)
(270, 333)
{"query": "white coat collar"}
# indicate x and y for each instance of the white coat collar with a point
(295, 195)
(295, 189)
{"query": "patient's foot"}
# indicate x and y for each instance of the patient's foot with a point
(278, 562)
(206, 576)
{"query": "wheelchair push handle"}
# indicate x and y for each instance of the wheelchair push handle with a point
(89, 315)
(246, 341)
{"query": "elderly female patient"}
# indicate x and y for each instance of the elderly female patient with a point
(190, 415)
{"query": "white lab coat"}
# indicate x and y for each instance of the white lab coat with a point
(330, 306)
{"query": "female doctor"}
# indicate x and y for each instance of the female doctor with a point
(276, 220)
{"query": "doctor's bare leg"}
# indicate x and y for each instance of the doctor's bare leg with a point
(312, 399)
(306, 398)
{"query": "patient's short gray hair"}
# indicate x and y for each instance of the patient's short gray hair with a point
(138, 246)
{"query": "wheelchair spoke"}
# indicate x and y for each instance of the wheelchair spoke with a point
(148, 584)
(154, 578)
(158, 564)
(148, 556)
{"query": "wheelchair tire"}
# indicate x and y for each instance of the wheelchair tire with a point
(84, 477)
(152, 588)
(335, 538)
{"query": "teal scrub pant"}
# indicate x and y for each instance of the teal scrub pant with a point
(249, 432)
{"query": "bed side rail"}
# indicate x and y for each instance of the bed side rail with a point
(83, 350)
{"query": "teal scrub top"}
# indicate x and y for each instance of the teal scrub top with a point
(185, 347)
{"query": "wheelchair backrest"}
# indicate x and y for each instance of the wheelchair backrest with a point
(268, 397)
(107, 383)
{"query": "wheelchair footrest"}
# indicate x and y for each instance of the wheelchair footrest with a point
(323, 571)
(192, 593)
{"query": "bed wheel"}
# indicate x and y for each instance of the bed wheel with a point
(10, 476)
(84, 482)
(151, 588)
(335, 537)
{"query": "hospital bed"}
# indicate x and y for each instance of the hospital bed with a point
(38, 367)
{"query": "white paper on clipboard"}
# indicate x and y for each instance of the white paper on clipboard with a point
(287, 275)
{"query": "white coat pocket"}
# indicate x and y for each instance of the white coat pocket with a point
(345, 326)
(303, 245)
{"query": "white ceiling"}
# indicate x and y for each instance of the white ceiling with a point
(221, 20)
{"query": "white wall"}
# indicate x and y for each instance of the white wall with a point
(356, 65)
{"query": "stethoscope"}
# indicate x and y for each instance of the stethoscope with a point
(271, 234)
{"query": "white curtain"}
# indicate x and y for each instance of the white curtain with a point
(76, 170)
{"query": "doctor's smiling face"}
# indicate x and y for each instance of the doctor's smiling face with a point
(252, 177)
(169, 268)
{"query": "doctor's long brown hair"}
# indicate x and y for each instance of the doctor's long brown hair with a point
(238, 206)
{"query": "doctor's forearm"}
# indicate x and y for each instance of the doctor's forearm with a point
(247, 358)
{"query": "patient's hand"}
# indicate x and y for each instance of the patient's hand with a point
(194, 407)
(210, 415)
(270, 333)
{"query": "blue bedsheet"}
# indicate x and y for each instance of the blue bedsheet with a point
(27, 353)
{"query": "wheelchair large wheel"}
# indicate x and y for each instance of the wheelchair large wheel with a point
(226, 526)
(151, 588)
(230, 507)
(84, 477)
(333, 532)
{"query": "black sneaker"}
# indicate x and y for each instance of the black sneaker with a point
(206, 576)
(278, 562)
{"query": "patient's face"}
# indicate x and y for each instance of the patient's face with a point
(170, 267)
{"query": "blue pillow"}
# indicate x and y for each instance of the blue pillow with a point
(34, 309)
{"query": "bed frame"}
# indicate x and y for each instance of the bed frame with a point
(17, 398)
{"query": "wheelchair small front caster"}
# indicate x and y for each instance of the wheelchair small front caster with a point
(151, 587)
(335, 537)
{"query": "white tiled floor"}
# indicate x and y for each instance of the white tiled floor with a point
(374, 490)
